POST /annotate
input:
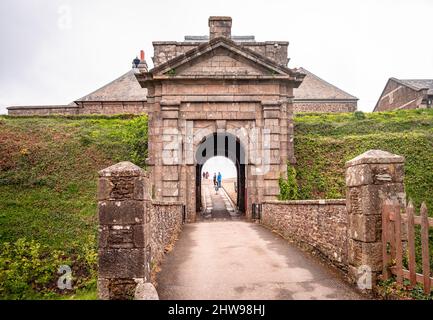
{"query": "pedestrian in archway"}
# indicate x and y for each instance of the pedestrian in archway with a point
(219, 179)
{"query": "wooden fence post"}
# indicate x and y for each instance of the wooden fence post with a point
(411, 243)
(425, 248)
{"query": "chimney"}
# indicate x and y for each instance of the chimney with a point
(142, 55)
(220, 27)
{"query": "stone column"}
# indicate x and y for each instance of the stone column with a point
(371, 178)
(124, 231)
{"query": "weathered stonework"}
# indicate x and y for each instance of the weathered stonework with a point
(319, 224)
(371, 178)
(166, 224)
(102, 107)
(324, 106)
(220, 88)
(133, 231)
(42, 110)
(123, 226)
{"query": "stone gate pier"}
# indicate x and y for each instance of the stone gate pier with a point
(133, 231)
(371, 178)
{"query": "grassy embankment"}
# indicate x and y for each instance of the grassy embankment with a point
(48, 176)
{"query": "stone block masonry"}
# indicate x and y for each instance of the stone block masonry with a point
(324, 106)
(371, 178)
(133, 231)
(319, 224)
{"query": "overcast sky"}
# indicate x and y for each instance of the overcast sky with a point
(56, 51)
(220, 164)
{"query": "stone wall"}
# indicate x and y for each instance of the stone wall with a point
(113, 107)
(319, 224)
(166, 224)
(42, 110)
(88, 107)
(324, 106)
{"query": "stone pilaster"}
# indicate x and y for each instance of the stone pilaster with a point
(124, 231)
(274, 150)
(371, 178)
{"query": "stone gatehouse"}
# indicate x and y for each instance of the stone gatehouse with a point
(219, 98)
(215, 95)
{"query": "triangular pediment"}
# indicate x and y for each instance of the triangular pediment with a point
(221, 57)
(222, 61)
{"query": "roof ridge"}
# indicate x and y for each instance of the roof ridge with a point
(420, 83)
(401, 81)
(328, 83)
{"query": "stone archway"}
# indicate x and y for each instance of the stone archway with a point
(218, 87)
(227, 145)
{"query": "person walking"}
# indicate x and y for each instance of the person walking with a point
(219, 179)
(214, 179)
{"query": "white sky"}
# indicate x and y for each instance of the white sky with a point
(220, 164)
(56, 51)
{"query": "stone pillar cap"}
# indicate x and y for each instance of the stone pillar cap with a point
(220, 18)
(375, 156)
(122, 169)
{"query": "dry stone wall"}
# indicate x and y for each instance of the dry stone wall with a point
(319, 224)
(166, 223)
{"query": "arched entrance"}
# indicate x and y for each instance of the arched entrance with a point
(229, 146)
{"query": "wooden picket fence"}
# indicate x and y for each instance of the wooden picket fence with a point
(398, 238)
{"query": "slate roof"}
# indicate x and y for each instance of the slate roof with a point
(418, 84)
(124, 88)
(315, 88)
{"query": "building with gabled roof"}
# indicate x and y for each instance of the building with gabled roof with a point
(318, 95)
(405, 94)
(125, 95)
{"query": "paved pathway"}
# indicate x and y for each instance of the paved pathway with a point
(218, 204)
(217, 259)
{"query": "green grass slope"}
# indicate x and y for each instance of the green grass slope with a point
(48, 177)
(324, 142)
